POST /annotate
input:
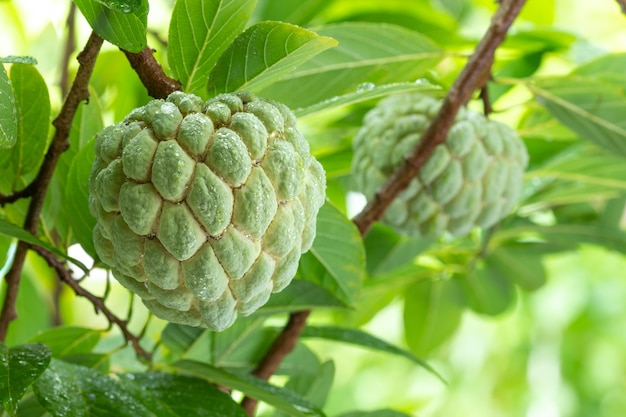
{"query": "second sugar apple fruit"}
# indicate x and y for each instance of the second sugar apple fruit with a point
(204, 208)
(472, 179)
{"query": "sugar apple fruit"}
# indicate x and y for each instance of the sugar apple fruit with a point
(204, 208)
(473, 179)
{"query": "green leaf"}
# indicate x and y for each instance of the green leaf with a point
(336, 261)
(366, 53)
(364, 92)
(12, 230)
(264, 54)
(295, 12)
(487, 289)
(8, 112)
(68, 340)
(20, 366)
(123, 6)
(521, 263)
(12, 59)
(432, 312)
(360, 338)
(200, 31)
(300, 295)
(377, 413)
(33, 117)
(314, 387)
(279, 398)
(125, 30)
(77, 197)
(167, 395)
(592, 108)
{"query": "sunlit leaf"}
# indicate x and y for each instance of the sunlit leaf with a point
(263, 54)
(68, 340)
(123, 6)
(8, 112)
(200, 31)
(296, 12)
(487, 289)
(20, 366)
(315, 387)
(279, 398)
(366, 53)
(300, 295)
(336, 261)
(121, 28)
(377, 413)
(12, 59)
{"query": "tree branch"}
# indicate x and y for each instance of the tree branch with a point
(65, 275)
(284, 343)
(60, 143)
(622, 5)
(158, 84)
(473, 77)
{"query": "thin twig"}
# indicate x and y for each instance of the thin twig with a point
(484, 96)
(622, 5)
(60, 143)
(282, 346)
(158, 84)
(65, 275)
(474, 76)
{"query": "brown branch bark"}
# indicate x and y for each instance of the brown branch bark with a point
(622, 5)
(284, 343)
(151, 74)
(473, 77)
(70, 46)
(65, 275)
(63, 123)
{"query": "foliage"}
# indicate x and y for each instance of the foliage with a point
(330, 61)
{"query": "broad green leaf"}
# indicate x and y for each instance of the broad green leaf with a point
(77, 198)
(296, 12)
(376, 413)
(336, 259)
(12, 230)
(180, 339)
(592, 108)
(364, 92)
(68, 340)
(360, 338)
(123, 6)
(432, 312)
(125, 30)
(12, 59)
(520, 263)
(487, 289)
(98, 361)
(33, 117)
(366, 53)
(606, 64)
(20, 366)
(200, 31)
(300, 295)
(8, 112)
(314, 387)
(279, 398)
(30, 407)
(264, 54)
(167, 395)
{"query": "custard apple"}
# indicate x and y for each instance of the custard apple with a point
(472, 179)
(204, 208)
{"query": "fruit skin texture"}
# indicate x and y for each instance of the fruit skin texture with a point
(204, 208)
(472, 179)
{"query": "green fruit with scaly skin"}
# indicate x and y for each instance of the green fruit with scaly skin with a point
(204, 208)
(472, 179)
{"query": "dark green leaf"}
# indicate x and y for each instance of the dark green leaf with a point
(364, 92)
(592, 108)
(68, 340)
(200, 31)
(10, 229)
(279, 398)
(30, 407)
(360, 338)
(487, 289)
(126, 30)
(77, 197)
(264, 54)
(167, 395)
(12, 59)
(432, 312)
(521, 263)
(8, 112)
(20, 366)
(300, 295)
(366, 53)
(123, 6)
(336, 259)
